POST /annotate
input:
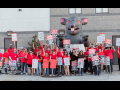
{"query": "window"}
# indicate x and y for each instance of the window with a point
(75, 10)
(102, 10)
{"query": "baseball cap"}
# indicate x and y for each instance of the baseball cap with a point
(10, 44)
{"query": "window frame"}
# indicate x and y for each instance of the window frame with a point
(75, 12)
(102, 11)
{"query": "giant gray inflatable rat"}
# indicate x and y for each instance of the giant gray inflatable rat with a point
(74, 30)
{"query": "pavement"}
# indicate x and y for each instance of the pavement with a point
(86, 77)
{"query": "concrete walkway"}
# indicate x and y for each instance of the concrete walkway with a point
(86, 77)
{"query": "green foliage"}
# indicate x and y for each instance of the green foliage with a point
(35, 42)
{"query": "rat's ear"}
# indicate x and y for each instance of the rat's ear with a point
(84, 21)
(63, 21)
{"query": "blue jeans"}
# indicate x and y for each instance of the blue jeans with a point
(81, 69)
(5, 70)
(39, 66)
(47, 69)
(22, 67)
(111, 64)
(53, 71)
(97, 72)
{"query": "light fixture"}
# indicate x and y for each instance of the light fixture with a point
(9, 33)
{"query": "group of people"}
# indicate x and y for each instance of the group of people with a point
(45, 52)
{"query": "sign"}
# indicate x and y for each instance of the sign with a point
(45, 63)
(49, 37)
(117, 41)
(81, 47)
(74, 63)
(94, 58)
(34, 63)
(66, 41)
(6, 61)
(66, 61)
(1, 63)
(108, 41)
(107, 60)
(41, 36)
(59, 61)
(50, 42)
(102, 60)
(53, 63)
(75, 46)
(14, 37)
(12, 63)
(91, 51)
(80, 63)
(54, 31)
(2, 51)
(95, 63)
(99, 39)
(103, 36)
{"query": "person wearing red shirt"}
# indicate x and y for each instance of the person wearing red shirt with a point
(86, 61)
(48, 50)
(1, 59)
(60, 55)
(66, 67)
(45, 56)
(6, 57)
(35, 49)
(38, 56)
(41, 47)
(14, 57)
(109, 52)
(118, 53)
(10, 50)
(29, 62)
(23, 61)
(53, 56)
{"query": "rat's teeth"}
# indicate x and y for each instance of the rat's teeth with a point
(72, 29)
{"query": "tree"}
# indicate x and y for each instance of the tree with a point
(35, 42)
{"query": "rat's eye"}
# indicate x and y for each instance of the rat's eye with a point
(67, 22)
(79, 22)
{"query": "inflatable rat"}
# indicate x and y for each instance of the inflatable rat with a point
(74, 30)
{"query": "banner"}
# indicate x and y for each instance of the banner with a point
(108, 41)
(40, 36)
(59, 61)
(117, 41)
(66, 61)
(34, 63)
(45, 63)
(14, 37)
(81, 63)
(81, 47)
(74, 63)
(99, 39)
(103, 36)
(12, 63)
(102, 59)
(53, 63)
(107, 60)
(1, 63)
(54, 32)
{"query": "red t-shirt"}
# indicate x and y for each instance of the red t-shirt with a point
(47, 52)
(109, 53)
(86, 53)
(118, 53)
(88, 48)
(64, 56)
(36, 57)
(101, 48)
(23, 60)
(36, 51)
(6, 55)
(101, 54)
(10, 51)
(1, 55)
(96, 49)
(30, 57)
(14, 56)
(53, 56)
(59, 54)
(44, 57)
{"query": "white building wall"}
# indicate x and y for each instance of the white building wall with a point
(29, 19)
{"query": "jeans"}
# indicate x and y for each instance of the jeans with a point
(119, 62)
(97, 72)
(111, 64)
(54, 70)
(5, 70)
(22, 67)
(39, 66)
(47, 71)
(91, 69)
(0, 71)
(86, 64)
(62, 69)
(81, 69)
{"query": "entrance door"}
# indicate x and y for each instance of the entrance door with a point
(115, 57)
(7, 42)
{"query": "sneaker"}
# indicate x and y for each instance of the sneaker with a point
(21, 73)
